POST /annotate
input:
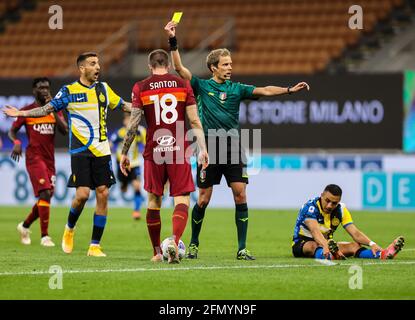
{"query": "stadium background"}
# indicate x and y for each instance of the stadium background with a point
(355, 127)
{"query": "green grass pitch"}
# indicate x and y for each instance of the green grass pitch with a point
(127, 273)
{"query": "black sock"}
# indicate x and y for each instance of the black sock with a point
(98, 230)
(198, 214)
(73, 217)
(241, 220)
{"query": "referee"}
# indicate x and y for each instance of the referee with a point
(218, 103)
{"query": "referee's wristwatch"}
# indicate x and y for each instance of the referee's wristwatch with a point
(289, 90)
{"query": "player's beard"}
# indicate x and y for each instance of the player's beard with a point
(41, 100)
(92, 76)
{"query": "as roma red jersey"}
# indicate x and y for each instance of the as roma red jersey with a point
(41, 134)
(164, 99)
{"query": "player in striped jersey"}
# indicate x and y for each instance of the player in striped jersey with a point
(86, 101)
(319, 218)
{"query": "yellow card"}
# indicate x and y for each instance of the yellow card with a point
(177, 16)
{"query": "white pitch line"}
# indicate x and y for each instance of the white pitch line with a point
(274, 266)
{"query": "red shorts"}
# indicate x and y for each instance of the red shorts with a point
(179, 176)
(42, 175)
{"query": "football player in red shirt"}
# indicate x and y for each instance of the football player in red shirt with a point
(40, 159)
(166, 100)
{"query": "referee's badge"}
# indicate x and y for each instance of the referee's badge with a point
(335, 222)
(101, 97)
(202, 175)
(222, 96)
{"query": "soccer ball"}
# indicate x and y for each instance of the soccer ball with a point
(165, 244)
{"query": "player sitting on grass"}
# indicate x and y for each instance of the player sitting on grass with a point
(316, 223)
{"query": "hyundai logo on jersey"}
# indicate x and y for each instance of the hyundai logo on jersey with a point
(166, 141)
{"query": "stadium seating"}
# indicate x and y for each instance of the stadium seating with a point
(268, 36)
(2, 8)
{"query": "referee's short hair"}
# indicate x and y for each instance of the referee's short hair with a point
(214, 57)
(158, 58)
(334, 189)
(83, 56)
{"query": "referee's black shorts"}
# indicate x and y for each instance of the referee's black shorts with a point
(214, 172)
(230, 163)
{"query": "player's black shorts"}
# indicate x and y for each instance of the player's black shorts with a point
(230, 163)
(297, 247)
(133, 174)
(214, 172)
(91, 172)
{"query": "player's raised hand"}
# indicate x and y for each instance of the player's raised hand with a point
(16, 152)
(11, 111)
(300, 86)
(170, 29)
(125, 164)
(203, 159)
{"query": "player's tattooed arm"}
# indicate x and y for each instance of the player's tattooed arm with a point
(126, 106)
(33, 113)
(135, 119)
(39, 112)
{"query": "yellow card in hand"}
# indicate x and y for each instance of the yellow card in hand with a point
(177, 16)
